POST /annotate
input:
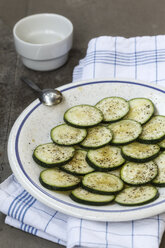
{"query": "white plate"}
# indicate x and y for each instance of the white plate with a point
(33, 128)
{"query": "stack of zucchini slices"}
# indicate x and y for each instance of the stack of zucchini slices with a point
(113, 151)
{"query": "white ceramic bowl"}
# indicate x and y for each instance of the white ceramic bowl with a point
(43, 40)
(33, 126)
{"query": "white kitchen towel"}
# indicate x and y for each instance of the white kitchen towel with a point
(107, 57)
(141, 58)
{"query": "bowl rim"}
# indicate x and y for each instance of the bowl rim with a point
(42, 44)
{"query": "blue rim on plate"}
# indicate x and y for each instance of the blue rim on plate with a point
(55, 198)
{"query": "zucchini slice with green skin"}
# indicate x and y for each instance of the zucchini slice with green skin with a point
(141, 110)
(50, 155)
(56, 179)
(102, 183)
(83, 116)
(113, 108)
(153, 131)
(125, 131)
(106, 158)
(67, 135)
(139, 174)
(140, 153)
(78, 165)
(160, 179)
(97, 137)
(83, 196)
(162, 145)
(135, 196)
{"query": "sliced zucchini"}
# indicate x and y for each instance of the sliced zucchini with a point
(160, 179)
(102, 183)
(135, 196)
(106, 158)
(56, 179)
(78, 165)
(138, 174)
(83, 116)
(97, 137)
(83, 196)
(153, 131)
(51, 155)
(162, 145)
(113, 108)
(141, 110)
(115, 172)
(67, 135)
(125, 131)
(140, 153)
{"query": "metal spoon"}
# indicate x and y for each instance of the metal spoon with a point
(48, 97)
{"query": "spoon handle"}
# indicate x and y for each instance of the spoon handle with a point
(30, 83)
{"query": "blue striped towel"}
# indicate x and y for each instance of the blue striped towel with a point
(134, 58)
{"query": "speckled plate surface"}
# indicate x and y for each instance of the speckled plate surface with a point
(33, 128)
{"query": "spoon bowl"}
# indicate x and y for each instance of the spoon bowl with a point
(49, 97)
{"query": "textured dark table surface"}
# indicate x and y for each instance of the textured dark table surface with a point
(90, 18)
